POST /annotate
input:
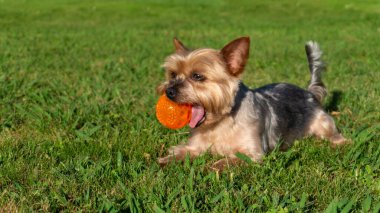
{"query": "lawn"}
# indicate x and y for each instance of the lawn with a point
(77, 95)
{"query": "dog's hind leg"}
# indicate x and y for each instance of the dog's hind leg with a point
(323, 126)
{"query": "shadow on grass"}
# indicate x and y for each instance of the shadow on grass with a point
(333, 102)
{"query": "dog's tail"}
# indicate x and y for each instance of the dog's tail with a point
(316, 67)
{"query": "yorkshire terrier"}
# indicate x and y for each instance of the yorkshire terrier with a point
(229, 118)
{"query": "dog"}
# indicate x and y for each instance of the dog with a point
(229, 118)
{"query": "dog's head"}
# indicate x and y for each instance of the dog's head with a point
(205, 78)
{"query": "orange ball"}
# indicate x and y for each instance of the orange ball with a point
(171, 114)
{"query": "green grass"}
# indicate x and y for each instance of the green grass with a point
(77, 121)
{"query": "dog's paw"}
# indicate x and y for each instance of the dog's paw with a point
(225, 163)
(165, 160)
(339, 140)
(219, 165)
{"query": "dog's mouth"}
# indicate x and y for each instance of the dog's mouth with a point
(198, 115)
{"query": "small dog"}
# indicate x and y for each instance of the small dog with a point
(229, 118)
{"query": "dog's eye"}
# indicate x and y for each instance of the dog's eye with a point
(173, 74)
(197, 77)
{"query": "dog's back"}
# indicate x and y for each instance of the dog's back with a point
(285, 110)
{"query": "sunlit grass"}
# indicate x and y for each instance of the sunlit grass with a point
(77, 123)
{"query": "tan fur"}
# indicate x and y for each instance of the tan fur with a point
(208, 62)
(323, 126)
(223, 133)
(216, 94)
(220, 140)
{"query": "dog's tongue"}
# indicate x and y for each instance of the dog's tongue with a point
(197, 113)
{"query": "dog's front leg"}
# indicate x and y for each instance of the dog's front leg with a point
(255, 153)
(221, 164)
(227, 162)
(178, 153)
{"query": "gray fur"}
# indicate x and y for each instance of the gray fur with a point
(284, 111)
(316, 67)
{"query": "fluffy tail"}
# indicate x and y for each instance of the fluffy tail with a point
(316, 67)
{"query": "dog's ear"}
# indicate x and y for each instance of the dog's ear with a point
(179, 47)
(236, 55)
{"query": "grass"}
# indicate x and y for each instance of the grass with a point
(77, 123)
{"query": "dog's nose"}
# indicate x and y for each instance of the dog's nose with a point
(171, 93)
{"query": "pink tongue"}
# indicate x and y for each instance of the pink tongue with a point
(197, 113)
